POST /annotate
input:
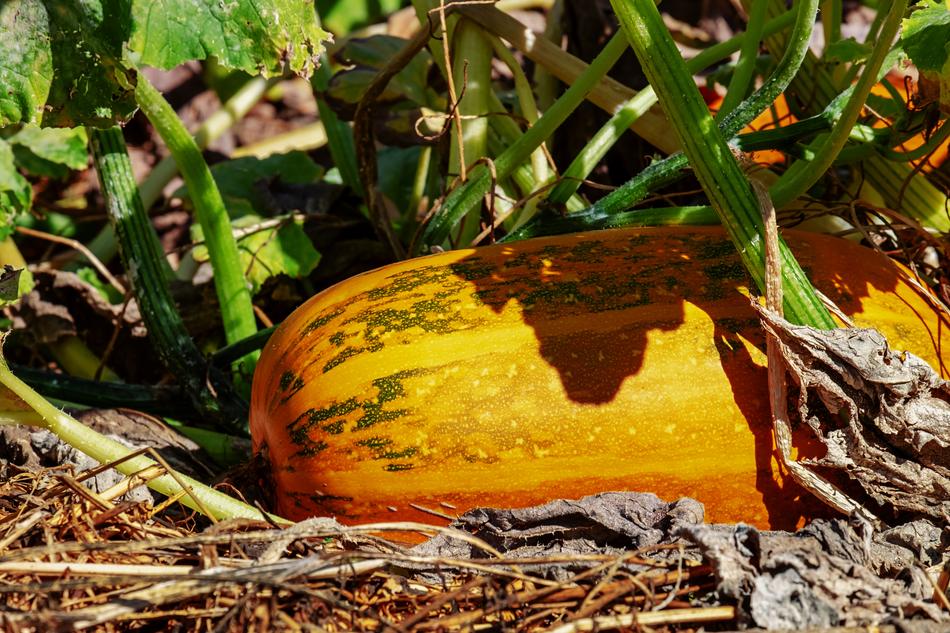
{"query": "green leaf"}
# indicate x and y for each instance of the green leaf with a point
(256, 36)
(50, 151)
(243, 181)
(848, 50)
(63, 62)
(375, 52)
(281, 250)
(59, 62)
(26, 66)
(14, 283)
(926, 39)
(91, 84)
(343, 16)
(108, 292)
(16, 194)
(926, 35)
(63, 146)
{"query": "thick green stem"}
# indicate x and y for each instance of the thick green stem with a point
(666, 171)
(196, 495)
(233, 292)
(711, 158)
(143, 259)
(608, 135)
(103, 245)
(480, 180)
(159, 400)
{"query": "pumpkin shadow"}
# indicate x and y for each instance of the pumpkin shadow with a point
(594, 302)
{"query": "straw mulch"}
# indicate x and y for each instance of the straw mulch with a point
(73, 559)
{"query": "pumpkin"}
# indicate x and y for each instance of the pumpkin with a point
(551, 368)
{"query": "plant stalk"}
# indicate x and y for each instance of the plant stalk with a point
(712, 160)
(143, 259)
(233, 291)
(196, 495)
(480, 180)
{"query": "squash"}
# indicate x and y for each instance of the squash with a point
(556, 367)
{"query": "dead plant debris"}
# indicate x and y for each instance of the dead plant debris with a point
(73, 559)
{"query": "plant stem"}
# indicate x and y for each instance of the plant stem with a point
(901, 187)
(480, 180)
(702, 215)
(666, 171)
(75, 357)
(339, 134)
(143, 258)
(197, 495)
(234, 295)
(803, 174)
(711, 158)
(745, 67)
(103, 245)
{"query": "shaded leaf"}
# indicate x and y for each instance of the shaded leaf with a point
(14, 282)
(16, 195)
(276, 250)
(848, 50)
(244, 181)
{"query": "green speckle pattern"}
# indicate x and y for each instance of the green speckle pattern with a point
(558, 281)
(309, 430)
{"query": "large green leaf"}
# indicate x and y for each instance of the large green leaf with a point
(59, 62)
(256, 36)
(71, 62)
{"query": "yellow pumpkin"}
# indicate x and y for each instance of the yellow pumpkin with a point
(555, 367)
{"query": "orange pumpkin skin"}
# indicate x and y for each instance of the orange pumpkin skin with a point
(557, 367)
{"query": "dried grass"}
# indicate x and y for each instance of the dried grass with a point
(71, 559)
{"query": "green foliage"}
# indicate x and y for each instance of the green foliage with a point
(926, 40)
(72, 62)
(243, 181)
(108, 292)
(14, 283)
(365, 57)
(267, 250)
(251, 35)
(40, 152)
(68, 52)
(343, 16)
(273, 248)
(848, 50)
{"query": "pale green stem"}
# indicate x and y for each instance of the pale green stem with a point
(529, 108)
(197, 495)
(103, 244)
(471, 192)
(745, 68)
(234, 295)
(611, 132)
(712, 160)
(803, 174)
